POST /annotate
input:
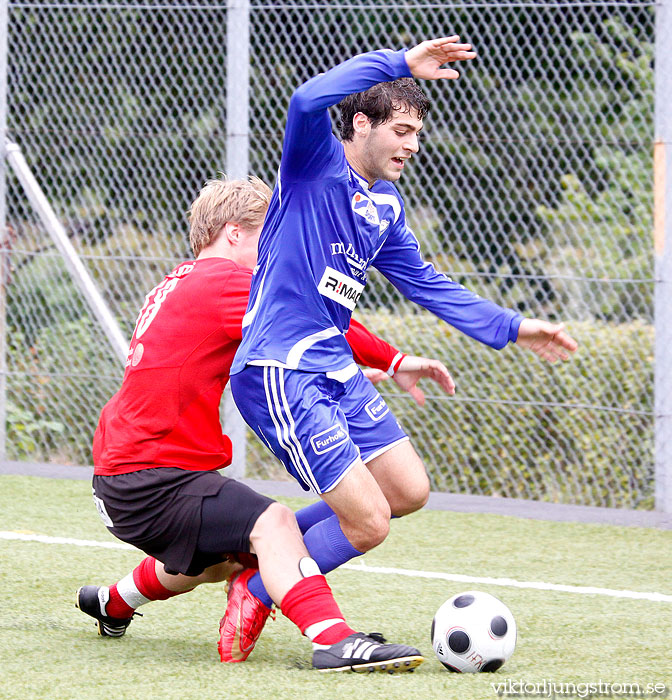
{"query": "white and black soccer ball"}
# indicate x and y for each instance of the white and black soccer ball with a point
(472, 632)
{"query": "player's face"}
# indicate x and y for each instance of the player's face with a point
(388, 147)
(248, 247)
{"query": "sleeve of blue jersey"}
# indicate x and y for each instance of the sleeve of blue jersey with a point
(402, 264)
(309, 146)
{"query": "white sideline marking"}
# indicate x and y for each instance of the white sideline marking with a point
(460, 578)
(46, 539)
(512, 583)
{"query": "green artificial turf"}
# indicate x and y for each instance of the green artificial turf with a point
(50, 650)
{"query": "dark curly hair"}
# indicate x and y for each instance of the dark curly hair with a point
(378, 103)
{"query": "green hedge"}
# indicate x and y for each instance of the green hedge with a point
(577, 432)
(57, 386)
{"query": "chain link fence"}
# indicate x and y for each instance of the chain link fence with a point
(533, 187)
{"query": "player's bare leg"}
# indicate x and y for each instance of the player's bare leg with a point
(402, 478)
(294, 582)
(213, 574)
(277, 542)
(288, 574)
(361, 507)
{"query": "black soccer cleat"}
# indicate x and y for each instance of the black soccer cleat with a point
(364, 653)
(91, 600)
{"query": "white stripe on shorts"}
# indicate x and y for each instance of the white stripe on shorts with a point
(384, 449)
(271, 412)
(281, 428)
(285, 404)
(297, 443)
(272, 377)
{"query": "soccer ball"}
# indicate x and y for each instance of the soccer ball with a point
(472, 632)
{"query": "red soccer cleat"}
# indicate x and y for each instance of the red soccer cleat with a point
(243, 620)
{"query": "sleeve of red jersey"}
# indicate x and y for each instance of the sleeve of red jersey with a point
(370, 350)
(235, 296)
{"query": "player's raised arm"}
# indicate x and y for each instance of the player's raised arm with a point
(425, 59)
(402, 264)
(309, 145)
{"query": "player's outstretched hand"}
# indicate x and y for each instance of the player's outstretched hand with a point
(425, 59)
(412, 369)
(375, 375)
(548, 340)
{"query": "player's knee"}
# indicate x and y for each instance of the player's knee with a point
(371, 531)
(380, 530)
(416, 496)
(412, 495)
(276, 519)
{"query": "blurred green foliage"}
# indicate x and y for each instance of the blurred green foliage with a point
(521, 428)
(533, 188)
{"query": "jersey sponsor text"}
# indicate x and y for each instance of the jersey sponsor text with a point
(340, 288)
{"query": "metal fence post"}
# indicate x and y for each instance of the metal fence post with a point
(237, 166)
(663, 255)
(75, 267)
(237, 88)
(4, 233)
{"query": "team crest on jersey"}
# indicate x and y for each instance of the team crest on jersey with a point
(365, 207)
(383, 226)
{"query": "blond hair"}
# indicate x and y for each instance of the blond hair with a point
(242, 202)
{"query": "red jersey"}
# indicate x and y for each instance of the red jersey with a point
(166, 413)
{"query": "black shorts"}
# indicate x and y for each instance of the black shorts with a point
(187, 520)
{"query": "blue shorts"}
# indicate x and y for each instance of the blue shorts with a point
(316, 426)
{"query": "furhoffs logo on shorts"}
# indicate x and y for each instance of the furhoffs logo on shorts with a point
(329, 439)
(377, 408)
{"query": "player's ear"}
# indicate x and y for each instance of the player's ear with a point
(361, 124)
(232, 232)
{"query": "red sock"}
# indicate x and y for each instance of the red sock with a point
(116, 605)
(310, 605)
(147, 582)
(137, 588)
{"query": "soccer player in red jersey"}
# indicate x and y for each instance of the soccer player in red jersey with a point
(159, 441)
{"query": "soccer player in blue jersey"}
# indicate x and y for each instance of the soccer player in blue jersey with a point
(335, 212)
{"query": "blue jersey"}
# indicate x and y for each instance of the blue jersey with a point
(325, 227)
